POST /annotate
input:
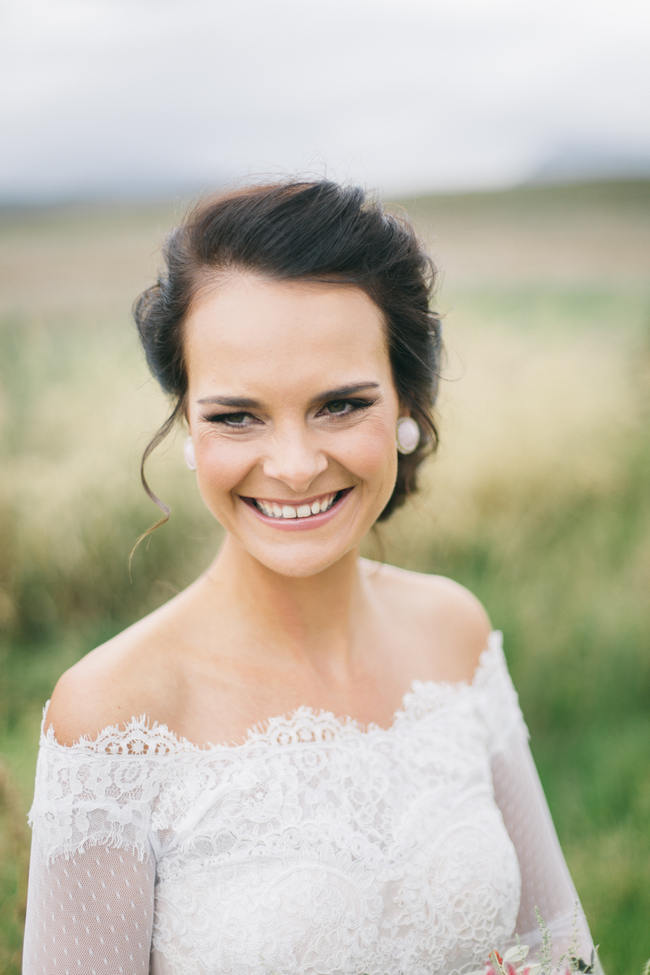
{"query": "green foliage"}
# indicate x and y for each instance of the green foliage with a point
(13, 872)
(537, 501)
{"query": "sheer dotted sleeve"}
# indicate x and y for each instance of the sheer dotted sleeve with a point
(546, 884)
(92, 868)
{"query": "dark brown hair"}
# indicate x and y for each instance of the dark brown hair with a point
(302, 230)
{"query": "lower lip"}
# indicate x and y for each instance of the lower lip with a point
(301, 524)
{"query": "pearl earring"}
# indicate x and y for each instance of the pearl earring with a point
(408, 435)
(188, 450)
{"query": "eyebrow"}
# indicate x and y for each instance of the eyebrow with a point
(246, 403)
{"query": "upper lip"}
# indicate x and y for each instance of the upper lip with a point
(296, 502)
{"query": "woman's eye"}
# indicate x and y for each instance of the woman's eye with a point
(344, 407)
(238, 420)
(338, 406)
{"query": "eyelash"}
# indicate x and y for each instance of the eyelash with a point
(226, 419)
(356, 404)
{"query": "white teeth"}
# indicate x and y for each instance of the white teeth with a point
(274, 510)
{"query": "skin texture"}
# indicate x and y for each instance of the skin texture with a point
(283, 616)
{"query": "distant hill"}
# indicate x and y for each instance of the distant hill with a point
(579, 162)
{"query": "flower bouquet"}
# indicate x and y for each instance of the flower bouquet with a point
(513, 961)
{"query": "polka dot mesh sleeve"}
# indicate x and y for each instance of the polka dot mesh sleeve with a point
(92, 870)
(90, 913)
(546, 884)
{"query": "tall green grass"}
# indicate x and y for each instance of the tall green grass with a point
(537, 500)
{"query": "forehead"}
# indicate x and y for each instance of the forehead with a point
(246, 329)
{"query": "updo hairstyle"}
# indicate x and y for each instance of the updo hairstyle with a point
(295, 230)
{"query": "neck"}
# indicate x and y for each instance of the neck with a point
(312, 622)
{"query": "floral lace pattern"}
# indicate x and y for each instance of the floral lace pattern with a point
(314, 846)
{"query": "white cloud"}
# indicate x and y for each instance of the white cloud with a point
(397, 92)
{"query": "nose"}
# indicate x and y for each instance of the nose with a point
(294, 459)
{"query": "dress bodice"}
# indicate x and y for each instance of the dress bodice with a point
(315, 847)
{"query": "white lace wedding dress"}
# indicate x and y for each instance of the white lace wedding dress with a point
(316, 847)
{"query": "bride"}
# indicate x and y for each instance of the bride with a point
(306, 762)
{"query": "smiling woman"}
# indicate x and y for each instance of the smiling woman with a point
(298, 443)
(300, 235)
(305, 762)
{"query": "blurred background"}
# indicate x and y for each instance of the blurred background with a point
(516, 137)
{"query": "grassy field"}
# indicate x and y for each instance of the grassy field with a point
(537, 499)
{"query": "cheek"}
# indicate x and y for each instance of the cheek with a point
(220, 468)
(372, 453)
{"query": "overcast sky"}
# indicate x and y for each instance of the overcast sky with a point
(112, 96)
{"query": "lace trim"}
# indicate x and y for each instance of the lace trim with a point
(69, 849)
(140, 736)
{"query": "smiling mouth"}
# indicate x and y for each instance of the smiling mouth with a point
(308, 509)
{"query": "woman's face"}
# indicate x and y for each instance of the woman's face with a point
(292, 410)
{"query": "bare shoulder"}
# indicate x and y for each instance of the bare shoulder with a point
(125, 677)
(444, 618)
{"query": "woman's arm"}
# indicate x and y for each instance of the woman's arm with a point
(546, 884)
(92, 868)
(547, 889)
(89, 913)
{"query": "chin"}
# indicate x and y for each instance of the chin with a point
(295, 565)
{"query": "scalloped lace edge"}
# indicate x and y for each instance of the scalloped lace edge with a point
(322, 725)
(111, 839)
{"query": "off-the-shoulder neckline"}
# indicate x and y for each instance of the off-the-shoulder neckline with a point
(140, 735)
